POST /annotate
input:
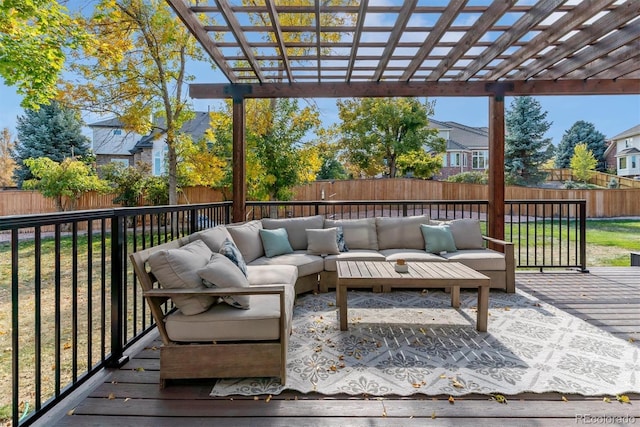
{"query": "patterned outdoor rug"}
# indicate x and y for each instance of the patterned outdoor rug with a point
(405, 342)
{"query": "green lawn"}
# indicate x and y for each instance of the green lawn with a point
(610, 241)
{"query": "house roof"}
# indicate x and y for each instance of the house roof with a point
(627, 133)
(195, 127)
(463, 137)
(434, 48)
(108, 123)
(628, 151)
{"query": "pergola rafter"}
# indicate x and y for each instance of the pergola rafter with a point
(491, 48)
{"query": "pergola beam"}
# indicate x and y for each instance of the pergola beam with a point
(394, 38)
(432, 89)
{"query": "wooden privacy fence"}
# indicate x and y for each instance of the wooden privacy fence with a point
(597, 178)
(602, 203)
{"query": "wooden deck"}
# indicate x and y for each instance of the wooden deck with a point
(607, 297)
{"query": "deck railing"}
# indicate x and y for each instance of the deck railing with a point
(76, 307)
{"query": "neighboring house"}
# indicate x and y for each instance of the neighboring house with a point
(623, 152)
(112, 143)
(467, 148)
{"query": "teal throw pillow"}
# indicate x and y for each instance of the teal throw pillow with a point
(275, 242)
(438, 238)
(231, 251)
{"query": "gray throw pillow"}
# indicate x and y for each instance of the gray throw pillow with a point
(221, 272)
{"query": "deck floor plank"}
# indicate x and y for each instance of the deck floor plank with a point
(606, 297)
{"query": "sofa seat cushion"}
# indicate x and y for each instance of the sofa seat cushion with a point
(351, 255)
(410, 255)
(296, 228)
(225, 323)
(307, 263)
(479, 259)
(272, 274)
(401, 232)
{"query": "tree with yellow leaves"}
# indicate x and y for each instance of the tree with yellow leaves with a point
(136, 69)
(34, 35)
(278, 157)
(7, 163)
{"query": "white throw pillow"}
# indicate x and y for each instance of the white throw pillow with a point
(323, 241)
(177, 269)
(221, 272)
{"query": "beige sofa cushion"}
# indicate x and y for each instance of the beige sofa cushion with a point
(213, 237)
(225, 323)
(323, 241)
(178, 269)
(221, 272)
(247, 238)
(352, 255)
(296, 228)
(466, 233)
(479, 259)
(272, 274)
(305, 262)
(358, 233)
(410, 255)
(400, 232)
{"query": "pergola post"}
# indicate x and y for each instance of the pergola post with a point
(238, 159)
(496, 166)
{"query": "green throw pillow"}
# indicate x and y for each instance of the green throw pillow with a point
(438, 238)
(275, 242)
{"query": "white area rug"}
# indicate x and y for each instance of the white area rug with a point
(404, 342)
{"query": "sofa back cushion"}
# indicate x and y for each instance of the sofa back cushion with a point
(178, 269)
(358, 233)
(213, 237)
(246, 236)
(401, 232)
(296, 228)
(466, 233)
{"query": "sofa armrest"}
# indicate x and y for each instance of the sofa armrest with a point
(499, 242)
(508, 250)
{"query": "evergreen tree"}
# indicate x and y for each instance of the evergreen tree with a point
(581, 132)
(51, 131)
(526, 149)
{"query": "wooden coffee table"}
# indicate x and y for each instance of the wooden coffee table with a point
(364, 274)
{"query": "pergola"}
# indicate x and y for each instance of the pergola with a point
(368, 48)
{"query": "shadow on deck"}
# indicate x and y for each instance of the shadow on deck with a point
(606, 297)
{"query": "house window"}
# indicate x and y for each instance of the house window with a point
(633, 162)
(158, 161)
(480, 159)
(454, 159)
(124, 162)
(622, 163)
(117, 131)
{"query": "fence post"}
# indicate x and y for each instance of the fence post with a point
(583, 236)
(117, 359)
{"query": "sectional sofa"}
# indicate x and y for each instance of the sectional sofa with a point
(379, 238)
(234, 286)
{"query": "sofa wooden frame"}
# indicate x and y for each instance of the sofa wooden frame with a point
(229, 359)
